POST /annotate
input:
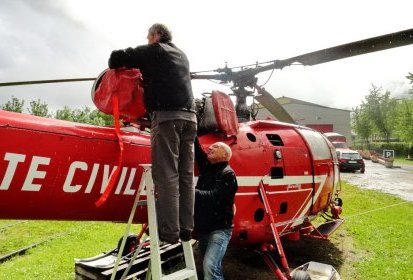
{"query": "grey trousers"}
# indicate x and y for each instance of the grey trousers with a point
(172, 143)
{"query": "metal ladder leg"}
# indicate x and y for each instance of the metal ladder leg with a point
(189, 272)
(283, 259)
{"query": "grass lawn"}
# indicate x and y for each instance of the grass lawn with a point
(377, 233)
(402, 160)
(54, 259)
(381, 228)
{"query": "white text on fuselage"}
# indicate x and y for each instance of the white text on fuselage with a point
(294, 187)
(39, 166)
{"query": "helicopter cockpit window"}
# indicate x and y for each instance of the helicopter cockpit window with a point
(251, 137)
(275, 139)
(318, 145)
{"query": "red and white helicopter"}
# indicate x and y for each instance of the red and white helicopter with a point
(287, 174)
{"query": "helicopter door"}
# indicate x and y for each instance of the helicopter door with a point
(291, 185)
(323, 167)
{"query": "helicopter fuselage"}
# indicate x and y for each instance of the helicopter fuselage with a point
(57, 170)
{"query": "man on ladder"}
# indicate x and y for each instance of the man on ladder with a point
(169, 100)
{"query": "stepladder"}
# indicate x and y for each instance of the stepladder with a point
(155, 269)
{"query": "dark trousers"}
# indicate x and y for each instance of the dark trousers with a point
(172, 144)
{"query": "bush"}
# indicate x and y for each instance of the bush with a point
(400, 148)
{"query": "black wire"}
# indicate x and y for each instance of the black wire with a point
(272, 71)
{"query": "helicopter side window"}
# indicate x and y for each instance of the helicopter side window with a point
(259, 215)
(251, 137)
(283, 207)
(275, 139)
(277, 173)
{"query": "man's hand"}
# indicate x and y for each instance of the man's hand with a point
(117, 59)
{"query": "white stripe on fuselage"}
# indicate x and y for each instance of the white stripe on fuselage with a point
(252, 181)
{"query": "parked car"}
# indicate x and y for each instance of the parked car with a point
(340, 145)
(350, 160)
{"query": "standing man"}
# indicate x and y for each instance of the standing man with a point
(169, 100)
(214, 200)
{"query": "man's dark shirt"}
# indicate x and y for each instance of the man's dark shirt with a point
(165, 71)
(214, 194)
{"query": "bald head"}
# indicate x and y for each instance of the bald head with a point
(219, 152)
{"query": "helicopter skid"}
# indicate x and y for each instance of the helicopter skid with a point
(323, 231)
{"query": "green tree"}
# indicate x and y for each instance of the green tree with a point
(99, 118)
(410, 77)
(37, 108)
(85, 115)
(361, 124)
(15, 105)
(404, 118)
(381, 109)
(41, 109)
(404, 121)
(64, 114)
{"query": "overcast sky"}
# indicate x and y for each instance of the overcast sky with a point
(42, 39)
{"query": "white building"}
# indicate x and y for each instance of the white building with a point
(318, 117)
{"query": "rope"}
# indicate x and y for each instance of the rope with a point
(23, 250)
(115, 173)
(374, 210)
(12, 225)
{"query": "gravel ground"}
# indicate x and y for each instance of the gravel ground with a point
(396, 181)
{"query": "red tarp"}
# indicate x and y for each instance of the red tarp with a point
(127, 85)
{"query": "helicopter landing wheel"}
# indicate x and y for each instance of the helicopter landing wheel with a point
(132, 242)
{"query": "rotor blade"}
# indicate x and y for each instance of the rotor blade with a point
(45, 82)
(379, 43)
(374, 44)
(272, 105)
(220, 77)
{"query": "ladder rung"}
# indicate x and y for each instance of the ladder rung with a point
(180, 274)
